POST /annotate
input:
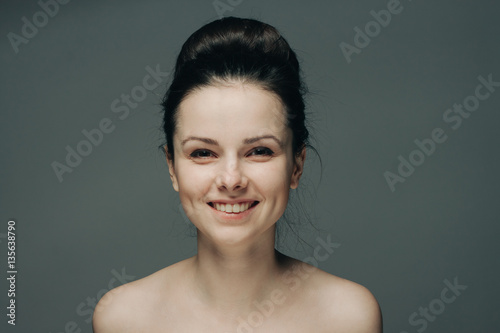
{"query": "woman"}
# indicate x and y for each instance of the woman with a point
(235, 146)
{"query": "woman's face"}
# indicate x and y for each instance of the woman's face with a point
(232, 145)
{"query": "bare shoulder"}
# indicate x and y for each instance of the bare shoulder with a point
(341, 305)
(355, 309)
(113, 308)
(126, 308)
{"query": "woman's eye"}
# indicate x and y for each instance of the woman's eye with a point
(262, 151)
(201, 153)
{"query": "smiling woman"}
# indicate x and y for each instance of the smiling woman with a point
(236, 144)
(227, 155)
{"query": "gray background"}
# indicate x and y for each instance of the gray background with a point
(117, 209)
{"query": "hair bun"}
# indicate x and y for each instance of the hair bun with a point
(232, 36)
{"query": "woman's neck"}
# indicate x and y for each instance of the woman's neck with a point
(233, 277)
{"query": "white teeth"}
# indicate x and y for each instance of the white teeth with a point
(236, 208)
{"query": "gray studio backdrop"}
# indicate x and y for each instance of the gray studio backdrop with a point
(404, 106)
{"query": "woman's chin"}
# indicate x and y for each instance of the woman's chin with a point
(234, 237)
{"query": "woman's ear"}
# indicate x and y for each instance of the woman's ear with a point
(298, 168)
(171, 169)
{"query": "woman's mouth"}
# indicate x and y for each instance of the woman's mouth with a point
(233, 208)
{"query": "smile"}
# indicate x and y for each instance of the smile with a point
(233, 208)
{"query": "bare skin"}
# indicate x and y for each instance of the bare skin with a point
(237, 282)
(170, 300)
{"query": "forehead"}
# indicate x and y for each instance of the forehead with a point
(231, 111)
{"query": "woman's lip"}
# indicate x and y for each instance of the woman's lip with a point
(232, 202)
(234, 216)
(212, 203)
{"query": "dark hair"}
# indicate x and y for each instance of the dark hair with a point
(238, 49)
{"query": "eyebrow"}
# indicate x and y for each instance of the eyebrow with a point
(246, 141)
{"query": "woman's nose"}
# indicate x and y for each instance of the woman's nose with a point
(231, 176)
